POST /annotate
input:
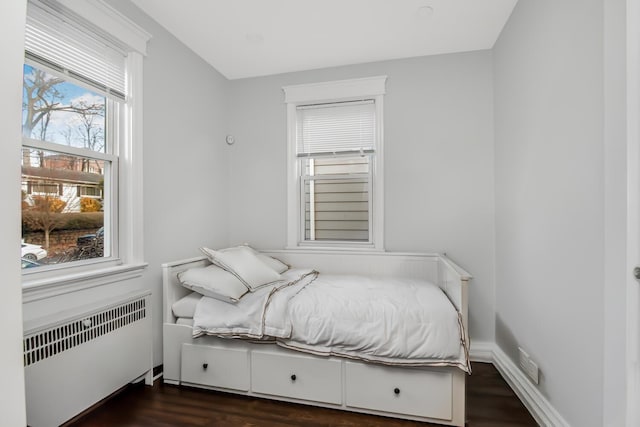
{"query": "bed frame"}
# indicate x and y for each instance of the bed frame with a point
(433, 394)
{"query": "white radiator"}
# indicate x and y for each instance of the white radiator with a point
(74, 362)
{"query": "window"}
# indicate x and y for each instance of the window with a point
(335, 143)
(335, 164)
(69, 149)
(80, 140)
(84, 190)
(42, 188)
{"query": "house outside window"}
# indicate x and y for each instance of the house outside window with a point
(81, 145)
(335, 156)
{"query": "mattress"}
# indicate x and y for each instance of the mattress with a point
(391, 321)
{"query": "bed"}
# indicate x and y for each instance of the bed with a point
(322, 373)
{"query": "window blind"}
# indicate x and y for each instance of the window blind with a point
(67, 44)
(344, 128)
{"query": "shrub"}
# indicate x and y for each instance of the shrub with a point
(88, 204)
(69, 221)
(47, 204)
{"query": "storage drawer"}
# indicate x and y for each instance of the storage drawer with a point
(215, 366)
(295, 376)
(409, 391)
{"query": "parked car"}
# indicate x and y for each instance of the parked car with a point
(89, 238)
(27, 263)
(33, 252)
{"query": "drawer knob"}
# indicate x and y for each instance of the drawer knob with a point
(205, 366)
(293, 377)
(396, 390)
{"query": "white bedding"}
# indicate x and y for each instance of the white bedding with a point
(249, 317)
(392, 321)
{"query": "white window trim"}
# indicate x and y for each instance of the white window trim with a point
(326, 92)
(113, 22)
(130, 263)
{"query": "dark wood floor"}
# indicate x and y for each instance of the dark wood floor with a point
(490, 403)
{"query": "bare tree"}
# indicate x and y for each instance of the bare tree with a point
(68, 134)
(41, 129)
(41, 98)
(90, 131)
(44, 215)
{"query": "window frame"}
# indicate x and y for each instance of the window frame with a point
(127, 260)
(331, 92)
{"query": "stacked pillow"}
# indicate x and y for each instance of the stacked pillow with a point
(234, 272)
(214, 282)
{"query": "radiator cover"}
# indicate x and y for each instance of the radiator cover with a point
(74, 362)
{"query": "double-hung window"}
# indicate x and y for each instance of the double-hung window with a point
(335, 164)
(79, 138)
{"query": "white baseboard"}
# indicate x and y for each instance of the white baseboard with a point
(540, 408)
(481, 351)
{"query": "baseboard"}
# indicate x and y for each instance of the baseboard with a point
(535, 402)
(481, 351)
(98, 404)
(540, 408)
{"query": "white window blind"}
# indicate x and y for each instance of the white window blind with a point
(343, 128)
(54, 39)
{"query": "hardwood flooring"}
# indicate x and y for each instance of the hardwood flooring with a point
(490, 403)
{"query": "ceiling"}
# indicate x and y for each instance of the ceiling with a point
(249, 38)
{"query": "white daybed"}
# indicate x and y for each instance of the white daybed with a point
(433, 394)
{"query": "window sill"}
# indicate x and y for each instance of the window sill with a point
(334, 248)
(34, 290)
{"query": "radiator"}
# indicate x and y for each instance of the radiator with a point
(76, 361)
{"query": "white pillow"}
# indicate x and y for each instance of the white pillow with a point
(186, 306)
(244, 264)
(275, 264)
(214, 282)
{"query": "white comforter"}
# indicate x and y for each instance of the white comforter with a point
(260, 314)
(393, 321)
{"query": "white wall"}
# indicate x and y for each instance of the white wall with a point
(615, 205)
(438, 122)
(185, 156)
(12, 400)
(549, 124)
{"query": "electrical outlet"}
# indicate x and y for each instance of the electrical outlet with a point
(524, 359)
(533, 371)
(528, 366)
